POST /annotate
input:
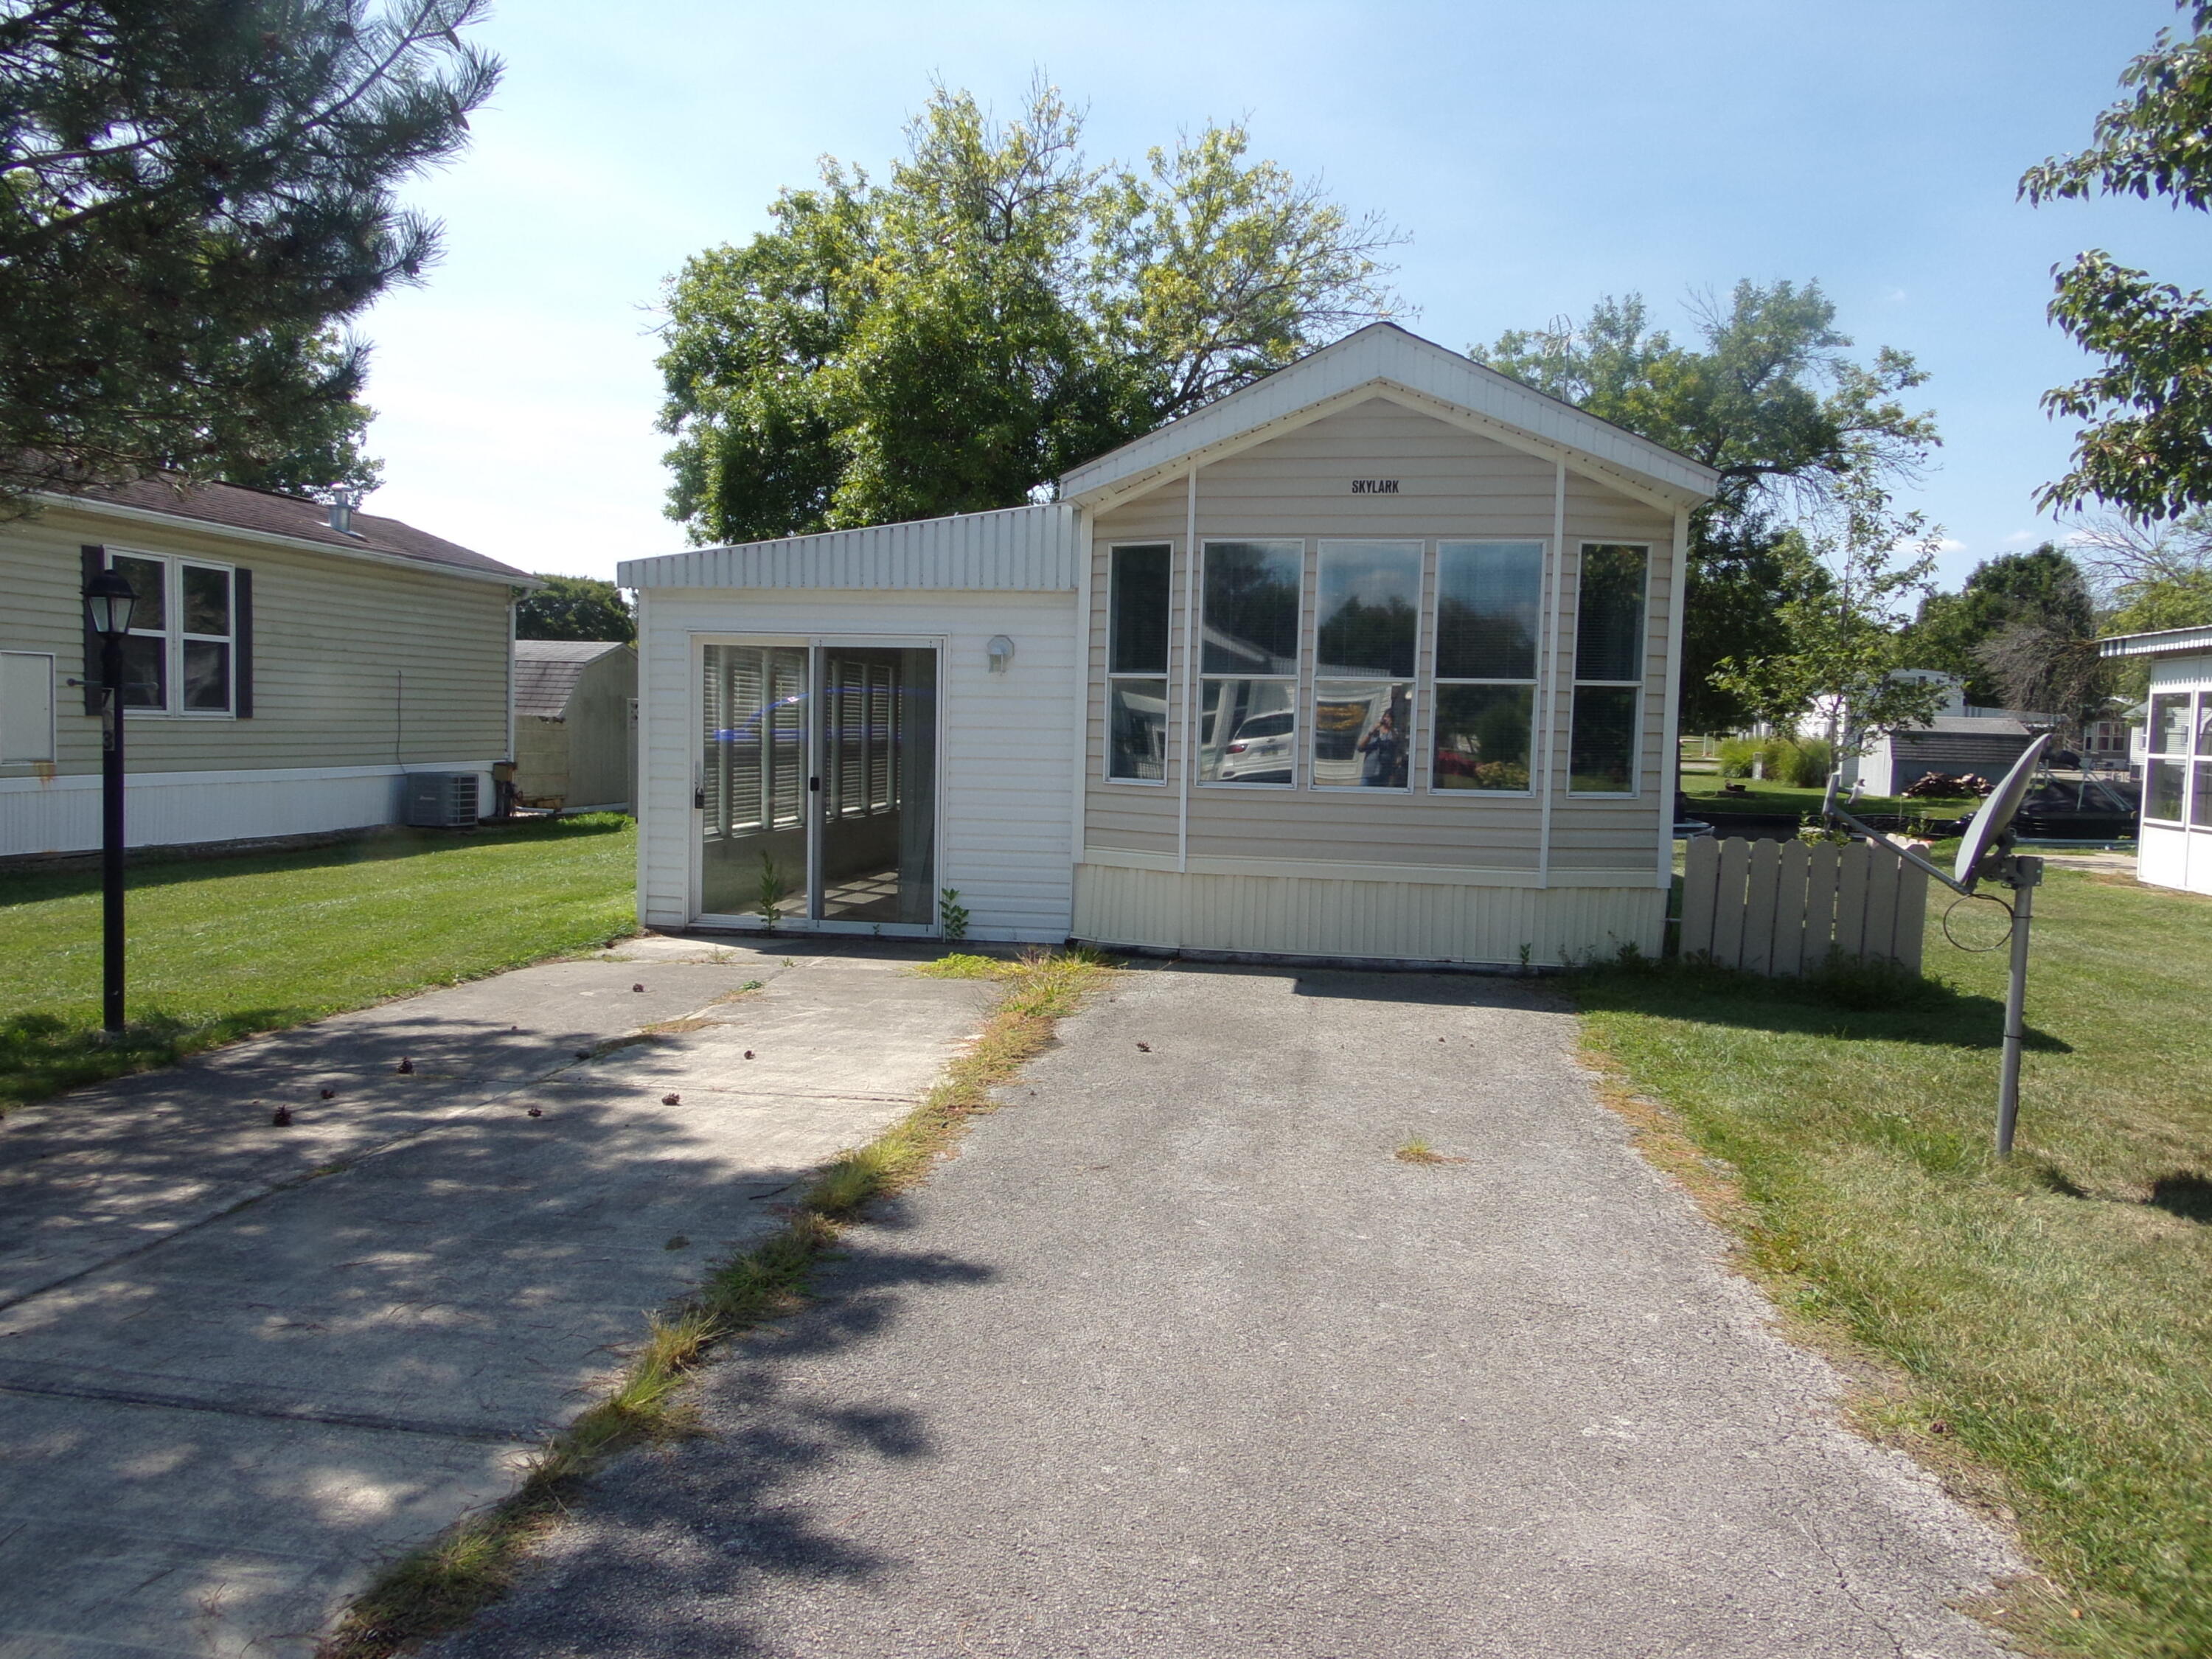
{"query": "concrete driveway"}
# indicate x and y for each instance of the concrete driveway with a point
(1175, 1359)
(239, 1364)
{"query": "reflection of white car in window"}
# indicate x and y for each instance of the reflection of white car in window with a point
(1259, 752)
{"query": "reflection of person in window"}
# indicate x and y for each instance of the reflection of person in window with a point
(1379, 766)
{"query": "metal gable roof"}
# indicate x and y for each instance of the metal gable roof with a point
(2161, 642)
(1384, 358)
(1016, 549)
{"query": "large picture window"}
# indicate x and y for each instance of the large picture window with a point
(1249, 662)
(1489, 598)
(1137, 610)
(2181, 753)
(177, 658)
(1365, 638)
(1609, 649)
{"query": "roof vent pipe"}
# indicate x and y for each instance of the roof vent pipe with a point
(342, 514)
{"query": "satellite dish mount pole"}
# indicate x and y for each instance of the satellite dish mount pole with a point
(1985, 854)
(2023, 874)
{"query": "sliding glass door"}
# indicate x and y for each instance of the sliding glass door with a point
(818, 786)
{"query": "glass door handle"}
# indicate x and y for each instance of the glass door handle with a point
(814, 784)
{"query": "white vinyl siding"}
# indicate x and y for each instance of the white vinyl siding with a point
(1454, 485)
(1005, 773)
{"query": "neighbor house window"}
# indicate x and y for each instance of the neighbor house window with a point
(1609, 670)
(177, 658)
(1365, 639)
(1137, 607)
(2166, 770)
(1249, 662)
(1488, 600)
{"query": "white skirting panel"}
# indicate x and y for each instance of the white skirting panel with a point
(167, 809)
(1387, 920)
(2175, 857)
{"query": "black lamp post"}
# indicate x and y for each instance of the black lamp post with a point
(107, 602)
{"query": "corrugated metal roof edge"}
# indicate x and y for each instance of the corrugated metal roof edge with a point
(686, 569)
(2156, 643)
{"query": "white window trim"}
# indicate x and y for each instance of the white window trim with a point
(2187, 759)
(1423, 548)
(1106, 748)
(1575, 682)
(1300, 680)
(1438, 682)
(174, 635)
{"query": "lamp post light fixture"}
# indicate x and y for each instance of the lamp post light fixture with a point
(108, 599)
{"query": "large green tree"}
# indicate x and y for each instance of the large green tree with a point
(195, 197)
(2045, 590)
(575, 608)
(993, 312)
(1806, 439)
(2146, 447)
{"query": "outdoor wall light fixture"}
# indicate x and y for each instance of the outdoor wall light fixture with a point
(1001, 651)
(108, 602)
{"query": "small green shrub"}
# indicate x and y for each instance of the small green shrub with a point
(1736, 755)
(1811, 760)
(952, 914)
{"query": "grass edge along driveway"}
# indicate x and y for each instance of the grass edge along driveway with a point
(223, 948)
(2037, 1331)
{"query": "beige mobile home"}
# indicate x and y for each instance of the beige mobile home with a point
(286, 674)
(1373, 658)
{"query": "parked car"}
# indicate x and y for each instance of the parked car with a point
(1260, 750)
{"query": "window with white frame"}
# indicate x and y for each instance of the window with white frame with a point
(1137, 609)
(1608, 684)
(1489, 600)
(179, 658)
(2178, 769)
(1249, 662)
(1366, 632)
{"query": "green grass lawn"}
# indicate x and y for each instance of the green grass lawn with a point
(2049, 1321)
(1761, 796)
(222, 947)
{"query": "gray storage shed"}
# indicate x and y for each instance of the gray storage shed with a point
(576, 724)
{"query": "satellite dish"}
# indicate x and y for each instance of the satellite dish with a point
(1994, 817)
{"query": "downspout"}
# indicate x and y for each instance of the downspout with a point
(1086, 555)
(1672, 752)
(1190, 672)
(1548, 698)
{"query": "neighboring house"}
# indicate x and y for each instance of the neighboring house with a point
(285, 671)
(576, 724)
(2174, 844)
(1374, 658)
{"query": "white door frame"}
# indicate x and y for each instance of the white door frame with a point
(814, 644)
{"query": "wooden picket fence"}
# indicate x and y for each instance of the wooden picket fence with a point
(1785, 907)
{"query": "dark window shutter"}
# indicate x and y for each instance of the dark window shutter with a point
(242, 643)
(95, 560)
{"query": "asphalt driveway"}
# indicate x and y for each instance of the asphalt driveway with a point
(1175, 1359)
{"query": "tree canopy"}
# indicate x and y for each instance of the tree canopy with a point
(575, 608)
(1806, 439)
(2148, 445)
(2045, 590)
(996, 311)
(195, 196)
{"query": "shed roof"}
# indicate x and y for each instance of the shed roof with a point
(1385, 360)
(2162, 642)
(293, 518)
(1020, 548)
(546, 673)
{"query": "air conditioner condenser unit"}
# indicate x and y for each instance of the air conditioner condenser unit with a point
(441, 800)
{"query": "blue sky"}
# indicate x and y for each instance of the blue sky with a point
(1539, 156)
